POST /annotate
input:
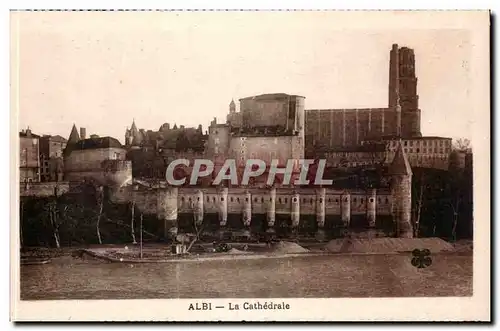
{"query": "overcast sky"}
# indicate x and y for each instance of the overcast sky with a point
(101, 70)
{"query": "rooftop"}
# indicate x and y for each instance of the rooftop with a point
(346, 109)
(400, 164)
(93, 143)
(56, 138)
(271, 96)
(414, 138)
(28, 134)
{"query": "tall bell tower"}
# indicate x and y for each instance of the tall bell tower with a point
(403, 86)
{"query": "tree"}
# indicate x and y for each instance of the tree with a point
(419, 187)
(100, 201)
(462, 144)
(51, 209)
(132, 225)
(197, 225)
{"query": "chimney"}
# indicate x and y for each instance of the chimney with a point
(83, 133)
(28, 132)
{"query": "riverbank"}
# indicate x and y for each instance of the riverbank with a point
(162, 253)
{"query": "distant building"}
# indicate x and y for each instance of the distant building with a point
(151, 151)
(422, 152)
(51, 158)
(101, 160)
(29, 159)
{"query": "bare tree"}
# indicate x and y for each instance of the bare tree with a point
(100, 201)
(419, 205)
(462, 144)
(197, 224)
(51, 208)
(132, 225)
(455, 218)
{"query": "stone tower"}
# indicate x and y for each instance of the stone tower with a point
(400, 172)
(403, 86)
(74, 137)
(134, 135)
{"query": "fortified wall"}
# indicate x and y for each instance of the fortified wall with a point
(239, 207)
(236, 207)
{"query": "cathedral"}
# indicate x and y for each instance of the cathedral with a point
(334, 129)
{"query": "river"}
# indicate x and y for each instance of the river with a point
(319, 276)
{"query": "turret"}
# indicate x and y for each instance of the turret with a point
(128, 137)
(133, 128)
(401, 174)
(74, 137)
(135, 135)
(232, 107)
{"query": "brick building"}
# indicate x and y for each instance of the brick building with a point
(29, 156)
(345, 128)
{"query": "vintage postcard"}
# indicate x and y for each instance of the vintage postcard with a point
(250, 165)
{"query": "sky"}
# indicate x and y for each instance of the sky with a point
(102, 70)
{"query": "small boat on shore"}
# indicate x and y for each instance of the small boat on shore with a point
(34, 260)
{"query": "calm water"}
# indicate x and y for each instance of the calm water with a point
(320, 276)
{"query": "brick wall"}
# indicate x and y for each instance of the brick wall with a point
(334, 128)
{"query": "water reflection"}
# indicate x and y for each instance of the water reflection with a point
(320, 276)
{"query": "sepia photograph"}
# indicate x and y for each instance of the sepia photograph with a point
(239, 163)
